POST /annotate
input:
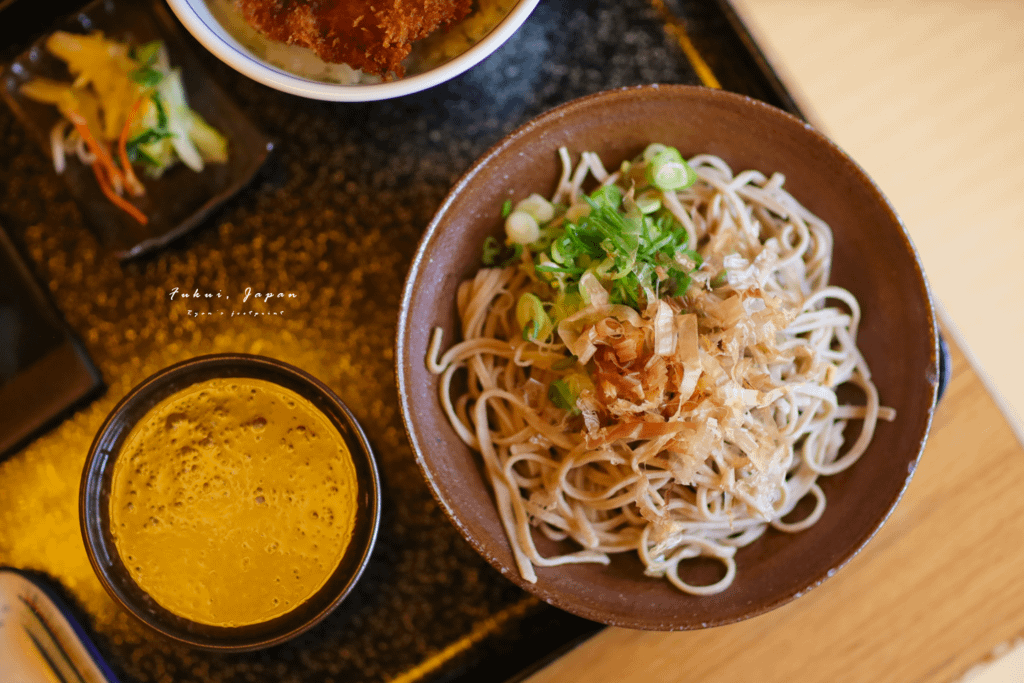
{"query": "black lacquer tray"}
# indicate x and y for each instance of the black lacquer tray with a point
(333, 218)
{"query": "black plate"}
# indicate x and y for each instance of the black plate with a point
(180, 199)
(44, 369)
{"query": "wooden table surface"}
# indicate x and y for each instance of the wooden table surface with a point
(928, 97)
(936, 590)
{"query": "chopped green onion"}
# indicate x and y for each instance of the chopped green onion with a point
(720, 279)
(517, 251)
(491, 250)
(565, 304)
(541, 209)
(565, 392)
(682, 284)
(652, 150)
(550, 268)
(532, 317)
(633, 249)
(521, 228)
(626, 290)
(506, 208)
(694, 256)
(648, 202)
(564, 363)
(609, 195)
(668, 171)
(563, 396)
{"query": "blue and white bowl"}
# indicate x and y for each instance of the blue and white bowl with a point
(297, 70)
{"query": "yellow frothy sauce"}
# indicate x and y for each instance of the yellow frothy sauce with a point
(233, 501)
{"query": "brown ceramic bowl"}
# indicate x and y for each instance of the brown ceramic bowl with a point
(873, 258)
(97, 485)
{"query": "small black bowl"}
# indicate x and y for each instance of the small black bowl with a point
(94, 503)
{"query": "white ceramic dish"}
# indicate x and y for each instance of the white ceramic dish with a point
(207, 22)
(40, 638)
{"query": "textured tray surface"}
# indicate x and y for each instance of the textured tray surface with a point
(334, 218)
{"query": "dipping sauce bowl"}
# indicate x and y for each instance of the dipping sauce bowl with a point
(230, 502)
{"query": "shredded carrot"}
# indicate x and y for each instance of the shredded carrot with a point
(95, 147)
(107, 173)
(117, 199)
(131, 180)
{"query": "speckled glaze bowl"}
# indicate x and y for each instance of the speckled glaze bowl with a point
(96, 487)
(873, 258)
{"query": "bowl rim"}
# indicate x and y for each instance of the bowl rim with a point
(198, 20)
(99, 464)
(421, 259)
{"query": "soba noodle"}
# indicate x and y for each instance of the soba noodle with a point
(698, 421)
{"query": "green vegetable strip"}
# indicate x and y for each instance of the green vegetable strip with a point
(147, 77)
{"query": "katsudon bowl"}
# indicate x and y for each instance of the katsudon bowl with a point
(873, 258)
(443, 55)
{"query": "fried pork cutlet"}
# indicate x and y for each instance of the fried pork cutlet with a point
(371, 35)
